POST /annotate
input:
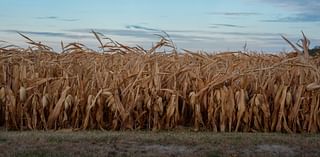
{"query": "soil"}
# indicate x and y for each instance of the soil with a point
(165, 143)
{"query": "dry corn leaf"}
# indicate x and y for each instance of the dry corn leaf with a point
(57, 109)
(312, 86)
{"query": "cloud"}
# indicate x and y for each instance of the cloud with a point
(48, 34)
(246, 34)
(302, 6)
(189, 39)
(298, 10)
(118, 32)
(138, 27)
(217, 25)
(235, 13)
(69, 20)
(151, 34)
(57, 18)
(145, 34)
(47, 17)
(297, 18)
(180, 35)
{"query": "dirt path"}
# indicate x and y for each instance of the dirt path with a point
(177, 143)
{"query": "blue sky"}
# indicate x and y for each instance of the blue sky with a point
(210, 25)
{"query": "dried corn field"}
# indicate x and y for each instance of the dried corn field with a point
(130, 88)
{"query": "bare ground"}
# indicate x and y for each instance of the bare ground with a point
(164, 143)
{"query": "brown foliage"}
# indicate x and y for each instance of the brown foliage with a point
(132, 88)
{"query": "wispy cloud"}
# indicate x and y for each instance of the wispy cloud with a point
(217, 25)
(118, 32)
(47, 17)
(244, 34)
(138, 27)
(57, 18)
(297, 10)
(193, 39)
(303, 17)
(48, 34)
(69, 20)
(178, 35)
(150, 35)
(296, 5)
(235, 13)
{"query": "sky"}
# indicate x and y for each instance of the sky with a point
(207, 25)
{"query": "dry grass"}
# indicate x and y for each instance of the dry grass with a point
(160, 144)
(132, 88)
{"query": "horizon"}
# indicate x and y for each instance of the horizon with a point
(216, 25)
